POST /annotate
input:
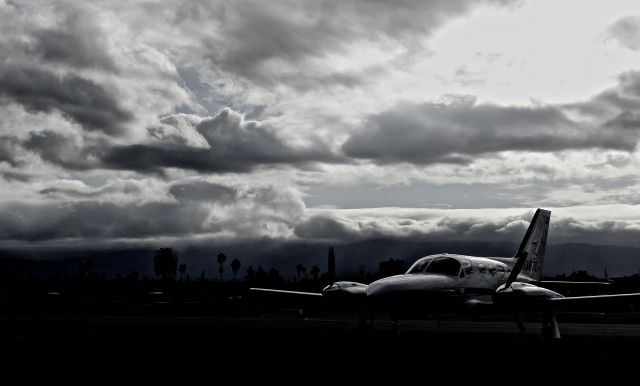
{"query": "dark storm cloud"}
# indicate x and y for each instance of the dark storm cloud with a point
(125, 188)
(8, 146)
(474, 226)
(325, 228)
(430, 132)
(91, 219)
(626, 31)
(256, 212)
(270, 43)
(619, 105)
(235, 146)
(79, 99)
(12, 176)
(329, 226)
(625, 120)
(203, 191)
(75, 41)
(58, 149)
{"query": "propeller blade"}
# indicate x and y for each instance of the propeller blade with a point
(516, 270)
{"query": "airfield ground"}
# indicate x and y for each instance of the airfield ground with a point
(287, 342)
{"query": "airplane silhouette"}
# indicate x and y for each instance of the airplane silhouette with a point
(451, 282)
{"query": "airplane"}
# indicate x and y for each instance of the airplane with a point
(455, 282)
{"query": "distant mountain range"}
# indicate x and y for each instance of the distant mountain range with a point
(285, 256)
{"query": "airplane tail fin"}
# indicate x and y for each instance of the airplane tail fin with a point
(534, 244)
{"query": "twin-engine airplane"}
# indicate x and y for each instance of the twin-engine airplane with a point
(463, 283)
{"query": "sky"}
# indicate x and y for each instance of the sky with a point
(325, 120)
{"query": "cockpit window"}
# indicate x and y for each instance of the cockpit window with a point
(420, 265)
(444, 265)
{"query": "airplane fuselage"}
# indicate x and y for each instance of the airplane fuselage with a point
(444, 280)
(445, 273)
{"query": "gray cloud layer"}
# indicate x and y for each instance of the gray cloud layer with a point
(233, 145)
(282, 43)
(430, 132)
(204, 209)
(199, 209)
(336, 227)
(80, 99)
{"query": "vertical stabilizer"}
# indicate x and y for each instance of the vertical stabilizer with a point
(534, 244)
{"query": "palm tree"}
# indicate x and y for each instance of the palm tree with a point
(302, 270)
(221, 259)
(165, 263)
(235, 266)
(315, 271)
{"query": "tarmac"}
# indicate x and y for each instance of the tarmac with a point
(288, 341)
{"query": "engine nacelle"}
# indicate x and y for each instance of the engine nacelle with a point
(523, 295)
(345, 289)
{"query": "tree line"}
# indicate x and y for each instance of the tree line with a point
(165, 264)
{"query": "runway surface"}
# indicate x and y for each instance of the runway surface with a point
(288, 341)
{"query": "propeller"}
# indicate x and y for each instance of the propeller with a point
(514, 272)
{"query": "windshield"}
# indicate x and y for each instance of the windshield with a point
(444, 265)
(420, 265)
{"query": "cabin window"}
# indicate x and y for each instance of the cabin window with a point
(501, 270)
(444, 265)
(482, 268)
(492, 269)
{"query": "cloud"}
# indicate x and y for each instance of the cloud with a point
(203, 191)
(100, 99)
(74, 40)
(59, 149)
(426, 224)
(97, 220)
(75, 212)
(626, 32)
(78, 60)
(617, 107)
(234, 145)
(151, 210)
(119, 191)
(220, 144)
(455, 132)
(289, 44)
(604, 224)
(12, 176)
(80, 99)
(8, 150)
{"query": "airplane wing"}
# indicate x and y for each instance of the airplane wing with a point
(284, 292)
(612, 302)
(576, 288)
(339, 293)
